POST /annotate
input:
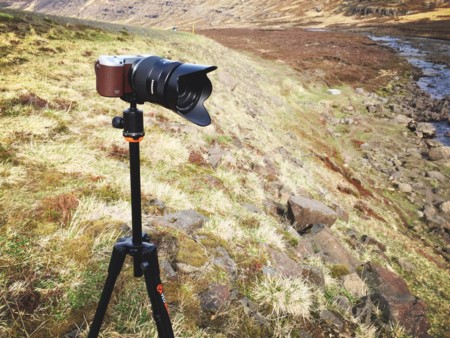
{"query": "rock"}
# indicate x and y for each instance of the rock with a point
(354, 284)
(253, 209)
(365, 146)
(433, 143)
(427, 129)
(269, 170)
(367, 240)
(435, 175)
(349, 109)
(412, 125)
(445, 207)
(371, 108)
(314, 275)
(229, 81)
(216, 297)
(405, 187)
(155, 206)
(331, 319)
(402, 120)
(304, 248)
(334, 92)
(359, 91)
(225, 262)
(215, 154)
(274, 208)
(442, 108)
(375, 108)
(429, 211)
(341, 213)
(303, 211)
(397, 162)
(365, 311)
(439, 153)
(196, 157)
(342, 303)
(187, 221)
(283, 264)
(405, 265)
(390, 293)
(330, 248)
(168, 271)
(251, 310)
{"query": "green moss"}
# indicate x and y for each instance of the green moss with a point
(6, 17)
(190, 252)
(105, 192)
(339, 270)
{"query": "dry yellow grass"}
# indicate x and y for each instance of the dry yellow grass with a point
(437, 14)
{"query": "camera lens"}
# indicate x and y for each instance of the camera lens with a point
(181, 87)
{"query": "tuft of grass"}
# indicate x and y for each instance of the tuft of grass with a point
(282, 296)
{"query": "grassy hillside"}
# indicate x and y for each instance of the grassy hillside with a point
(64, 187)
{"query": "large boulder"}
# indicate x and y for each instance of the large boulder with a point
(439, 153)
(282, 264)
(303, 211)
(427, 129)
(331, 249)
(390, 293)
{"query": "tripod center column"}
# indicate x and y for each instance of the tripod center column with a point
(133, 131)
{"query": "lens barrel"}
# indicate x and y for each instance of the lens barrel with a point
(181, 87)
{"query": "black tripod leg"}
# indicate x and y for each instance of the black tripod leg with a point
(115, 265)
(155, 292)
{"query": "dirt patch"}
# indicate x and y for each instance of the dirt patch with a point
(332, 57)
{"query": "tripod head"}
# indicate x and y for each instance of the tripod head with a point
(132, 123)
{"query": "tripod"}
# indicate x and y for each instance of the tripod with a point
(144, 253)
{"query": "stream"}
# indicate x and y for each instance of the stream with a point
(436, 76)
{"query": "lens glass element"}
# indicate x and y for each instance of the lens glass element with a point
(188, 94)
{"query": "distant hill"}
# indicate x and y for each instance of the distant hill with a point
(221, 13)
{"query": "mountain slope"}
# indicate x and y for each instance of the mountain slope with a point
(223, 13)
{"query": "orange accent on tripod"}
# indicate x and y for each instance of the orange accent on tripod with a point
(132, 140)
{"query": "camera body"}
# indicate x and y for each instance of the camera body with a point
(114, 74)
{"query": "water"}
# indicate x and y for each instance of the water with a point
(436, 77)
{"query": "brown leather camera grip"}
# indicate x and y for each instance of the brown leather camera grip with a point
(109, 80)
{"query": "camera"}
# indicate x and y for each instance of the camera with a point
(180, 87)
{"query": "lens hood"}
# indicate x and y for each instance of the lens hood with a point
(181, 87)
(187, 89)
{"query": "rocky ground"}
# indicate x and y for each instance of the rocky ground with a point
(337, 58)
(417, 168)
